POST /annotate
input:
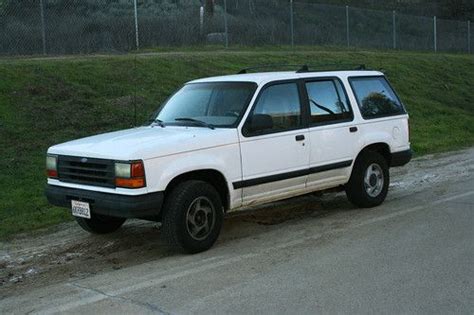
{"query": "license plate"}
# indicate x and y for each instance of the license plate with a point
(81, 209)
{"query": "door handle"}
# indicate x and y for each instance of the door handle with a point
(299, 138)
(353, 129)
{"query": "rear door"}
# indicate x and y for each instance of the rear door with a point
(333, 135)
(275, 160)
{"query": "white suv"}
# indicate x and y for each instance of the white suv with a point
(221, 144)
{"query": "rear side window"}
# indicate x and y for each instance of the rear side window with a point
(375, 97)
(327, 101)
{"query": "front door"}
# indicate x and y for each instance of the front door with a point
(274, 145)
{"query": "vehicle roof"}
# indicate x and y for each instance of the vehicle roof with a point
(265, 77)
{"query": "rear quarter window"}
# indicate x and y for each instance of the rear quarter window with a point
(376, 97)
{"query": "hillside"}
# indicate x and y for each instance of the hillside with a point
(46, 101)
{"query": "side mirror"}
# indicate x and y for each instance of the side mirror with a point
(259, 122)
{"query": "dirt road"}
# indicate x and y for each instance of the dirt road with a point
(314, 253)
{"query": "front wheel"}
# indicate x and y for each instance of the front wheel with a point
(100, 224)
(193, 216)
(368, 185)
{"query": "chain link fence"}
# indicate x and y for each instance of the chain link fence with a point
(59, 27)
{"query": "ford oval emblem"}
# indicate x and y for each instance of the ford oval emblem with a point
(84, 160)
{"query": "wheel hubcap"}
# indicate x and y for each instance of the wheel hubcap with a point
(373, 180)
(200, 218)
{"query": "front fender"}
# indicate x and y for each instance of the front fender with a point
(224, 159)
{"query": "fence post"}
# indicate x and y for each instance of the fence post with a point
(201, 20)
(137, 42)
(469, 37)
(43, 27)
(394, 23)
(347, 26)
(226, 26)
(435, 37)
(292, 27)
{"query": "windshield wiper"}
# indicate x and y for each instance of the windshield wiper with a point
(196, 121)
(158, 122)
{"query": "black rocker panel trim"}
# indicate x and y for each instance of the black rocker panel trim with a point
(288, 175)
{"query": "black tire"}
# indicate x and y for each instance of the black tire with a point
(100, 224)
(193, 216)
(365, 195)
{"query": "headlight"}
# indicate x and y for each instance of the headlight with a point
(52, 166)
(122, 170)
(130, 174)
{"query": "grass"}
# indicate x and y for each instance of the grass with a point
(48, 101)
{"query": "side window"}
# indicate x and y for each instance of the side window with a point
(278, 108)
(375, 97)
(327, 101)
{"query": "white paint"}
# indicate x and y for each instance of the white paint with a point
(273, 154)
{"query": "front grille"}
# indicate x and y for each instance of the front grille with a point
(86, 171)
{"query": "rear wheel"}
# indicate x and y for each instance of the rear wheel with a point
(193, 216)
(368, 185)
(100, 224)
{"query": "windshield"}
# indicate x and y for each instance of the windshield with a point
(218, 104)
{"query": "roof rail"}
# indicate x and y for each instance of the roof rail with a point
(307, 68)
(332, 67)
(269, 66)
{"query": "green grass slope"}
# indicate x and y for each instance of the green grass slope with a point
(48, 101)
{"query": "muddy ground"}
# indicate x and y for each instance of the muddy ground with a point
(66, 252)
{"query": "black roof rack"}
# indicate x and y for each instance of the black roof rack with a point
(269, 66)
(307, 68)
(331, 67)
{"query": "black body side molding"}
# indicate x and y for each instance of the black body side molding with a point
(288, 175)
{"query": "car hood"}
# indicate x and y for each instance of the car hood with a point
(146, 142)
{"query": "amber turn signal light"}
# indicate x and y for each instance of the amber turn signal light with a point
(130, 182)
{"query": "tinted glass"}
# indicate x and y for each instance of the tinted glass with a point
(375, 97)
(216, 103)
(327, 101)
(282, 103)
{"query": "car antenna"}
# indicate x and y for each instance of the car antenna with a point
(135, 91)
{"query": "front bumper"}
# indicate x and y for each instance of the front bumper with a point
(114, 205)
